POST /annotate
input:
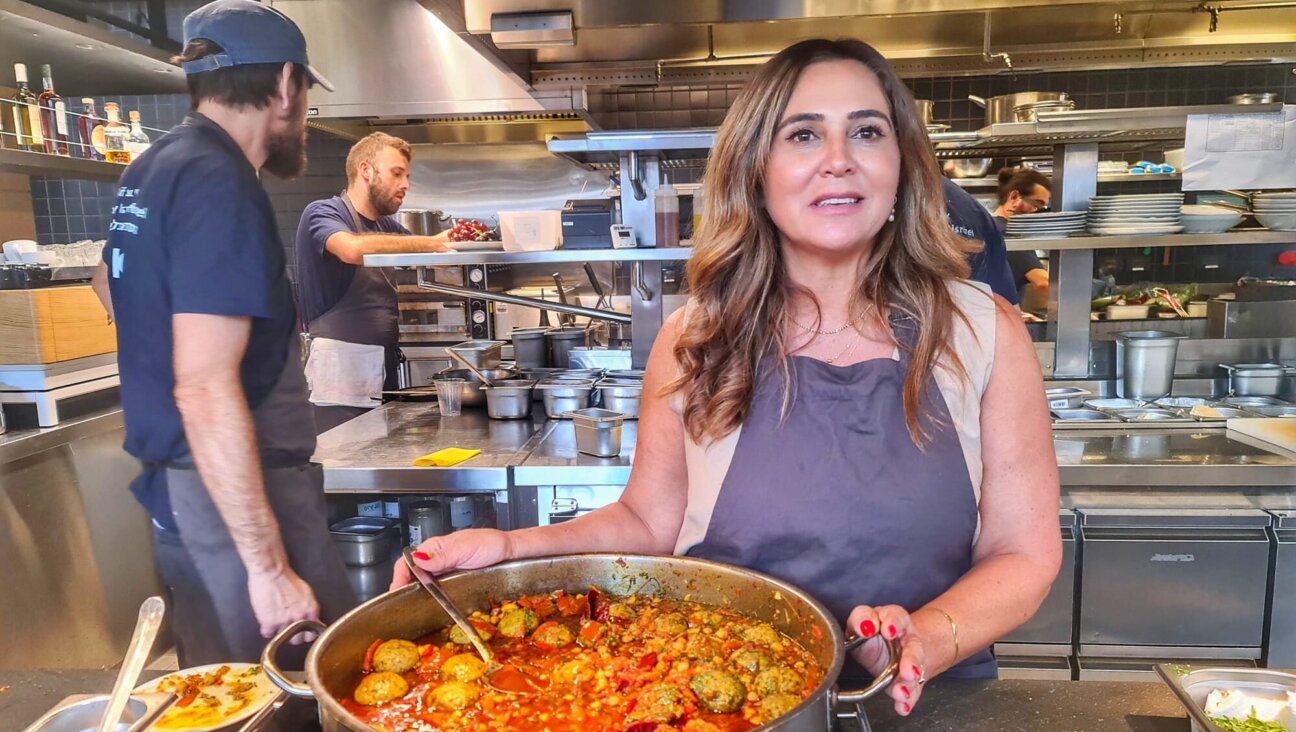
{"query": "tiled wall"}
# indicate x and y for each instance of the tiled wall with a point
(681, 107)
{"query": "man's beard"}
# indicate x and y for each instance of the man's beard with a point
(286, 153)
(383, 200)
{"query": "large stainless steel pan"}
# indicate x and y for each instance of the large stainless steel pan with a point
(1001, 108)
(332, 666)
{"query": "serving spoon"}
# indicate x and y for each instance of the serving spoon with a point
(508, 679)
(146, 629)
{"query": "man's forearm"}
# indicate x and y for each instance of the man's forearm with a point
(218, 426)
(397, 243)
(99, 283)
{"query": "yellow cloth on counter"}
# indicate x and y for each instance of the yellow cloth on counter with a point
(445, 458)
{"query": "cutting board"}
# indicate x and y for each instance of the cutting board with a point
(53, 324)
(1280, 431)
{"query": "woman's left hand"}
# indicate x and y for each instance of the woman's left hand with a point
(894, 623)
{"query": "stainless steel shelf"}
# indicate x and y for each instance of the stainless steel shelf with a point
(607, 147)
(88, 60)
(57, 166)
(992, 182)
(1230, 238)
(557, 256)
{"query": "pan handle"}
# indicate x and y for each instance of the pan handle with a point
(883, 679)
(977, 100)
(271, 666)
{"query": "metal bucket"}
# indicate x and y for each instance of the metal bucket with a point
(1146, 362)
(530, 350)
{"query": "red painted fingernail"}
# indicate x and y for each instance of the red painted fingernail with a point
(891, 631)
(867, 628)
(423, 556)
(905, 690)
(917, 672)
(907, 708)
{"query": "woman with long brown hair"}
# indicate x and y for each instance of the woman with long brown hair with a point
(837, 406)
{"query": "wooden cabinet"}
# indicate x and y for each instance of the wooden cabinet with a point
(53, 324)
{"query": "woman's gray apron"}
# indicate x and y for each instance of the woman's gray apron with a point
(367, 314)
(295, 490)
(840, 502)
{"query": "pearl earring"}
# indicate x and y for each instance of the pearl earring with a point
(891, 218)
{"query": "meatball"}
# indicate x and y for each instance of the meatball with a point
(380, 687)
(778, 680)
(776, 705)
(750, 660)
(702, 647)
(552, 636)
(463, 667)
(719, 691)
(453, 695)
(660, 703)
(619, 612)
(699, 725)
(571, 673)
(761, 634)
(518, 623)
(485, 630)
(397, 656)
(671, 624)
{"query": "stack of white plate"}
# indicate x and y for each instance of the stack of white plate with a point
(1275, 211)
(1153, 213)
(1208, 219)
(1046, 225)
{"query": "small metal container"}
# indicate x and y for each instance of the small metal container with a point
(1148, 415)
(1066, 397)
(1247, 402)
(561, 396)
(79, 713)
(473, 394)
(621, 395)
(1182, 402)
(1147, 362)
(530, 350)
(561, 341)
(509, 399)
(1192, 688)
(365, 541)
(1113, 403)
(598, 431)
(591, 374)
(1256, 379)
(626, 374)
(1082, 415)
(481, 354)
(1287, 412)
(1224, 413)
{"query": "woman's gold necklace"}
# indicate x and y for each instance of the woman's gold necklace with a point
(850, 345)
(834, 331)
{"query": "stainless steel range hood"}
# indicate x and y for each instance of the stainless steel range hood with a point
(397, 60)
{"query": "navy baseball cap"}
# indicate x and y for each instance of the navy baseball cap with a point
(250, 33)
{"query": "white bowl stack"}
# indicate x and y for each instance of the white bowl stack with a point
(1140, 214)
(1208, 219)
(1045, 225)
(1275, 211)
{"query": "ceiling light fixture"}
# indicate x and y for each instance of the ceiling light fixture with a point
(533, 30)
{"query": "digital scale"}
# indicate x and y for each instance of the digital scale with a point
(623, 236)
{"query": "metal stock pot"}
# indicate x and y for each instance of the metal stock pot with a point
(333, 664)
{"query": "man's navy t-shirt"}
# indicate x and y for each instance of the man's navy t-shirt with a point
(971, 220)
(323, 278)
(193, 231)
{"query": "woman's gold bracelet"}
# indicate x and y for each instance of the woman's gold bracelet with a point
(953, 629)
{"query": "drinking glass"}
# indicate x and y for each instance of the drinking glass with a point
(450, 396)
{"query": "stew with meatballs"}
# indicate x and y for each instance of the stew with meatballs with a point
(636, 663)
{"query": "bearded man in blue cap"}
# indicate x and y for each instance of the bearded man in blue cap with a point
(211, 381)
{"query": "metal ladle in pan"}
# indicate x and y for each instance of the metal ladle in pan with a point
(508, 679)
(464, 362)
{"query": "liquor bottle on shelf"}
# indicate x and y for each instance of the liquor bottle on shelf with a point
(53, 115)
(115, 134)
(26, 114)
(137, 142)
(87, 123)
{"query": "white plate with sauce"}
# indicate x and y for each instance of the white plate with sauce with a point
(243, 690)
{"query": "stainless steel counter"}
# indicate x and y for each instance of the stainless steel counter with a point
(18, 444)
(375, 452)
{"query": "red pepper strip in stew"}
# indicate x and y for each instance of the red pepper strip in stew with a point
(367, 666)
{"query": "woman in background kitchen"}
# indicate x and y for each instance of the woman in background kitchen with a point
(837, 406)
(1022, 190)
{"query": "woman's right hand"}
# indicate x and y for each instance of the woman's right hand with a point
(467, 549)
